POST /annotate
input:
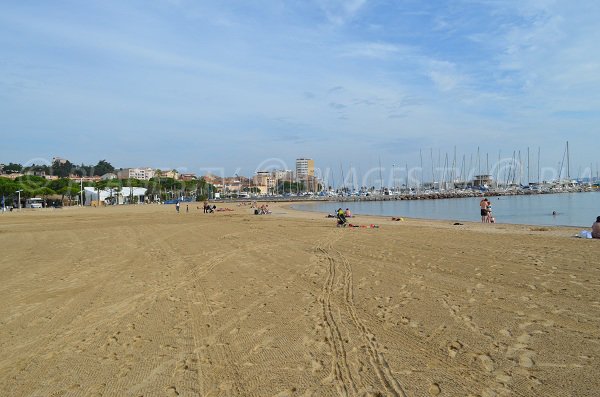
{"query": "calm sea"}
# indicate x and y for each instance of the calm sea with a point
(573, 209)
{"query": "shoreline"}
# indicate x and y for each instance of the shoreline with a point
(440, 219)
(276, 206)
(555, 231)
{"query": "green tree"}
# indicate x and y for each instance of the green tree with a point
(8, 187)
(44, 192)
(103, 167)
(62, 170)
(13, 168)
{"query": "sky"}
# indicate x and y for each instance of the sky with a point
(236, 86)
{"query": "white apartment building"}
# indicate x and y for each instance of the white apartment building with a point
(305, 168)
(136, 173)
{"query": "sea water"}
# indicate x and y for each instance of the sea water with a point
(572, 209)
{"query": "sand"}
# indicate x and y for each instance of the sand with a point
(141, 301)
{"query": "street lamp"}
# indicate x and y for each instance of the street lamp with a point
(19, 192)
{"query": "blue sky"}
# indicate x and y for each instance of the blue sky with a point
(240, 85)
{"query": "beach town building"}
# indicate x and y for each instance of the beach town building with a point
(170, 174)
(108, 176)
(283, 175)
(304, 168)
(482, 180)
(59, 160)
(264, 181)
(143, 174)
(12, 176)
(94, 178)
(305, 174)
(188, 177)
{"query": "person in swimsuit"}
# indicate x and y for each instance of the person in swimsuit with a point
(489, 212)
(596, 228)
(483, 204)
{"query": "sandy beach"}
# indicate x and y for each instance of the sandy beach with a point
(141, 301)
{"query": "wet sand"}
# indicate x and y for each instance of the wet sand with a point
(141, 301)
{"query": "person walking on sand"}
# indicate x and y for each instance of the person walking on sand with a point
(596, 228)
(177, 207)
(483, 204)
(187, 208)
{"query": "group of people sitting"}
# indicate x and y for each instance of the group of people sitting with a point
(262, 210)
(208, 209)
(346, 214)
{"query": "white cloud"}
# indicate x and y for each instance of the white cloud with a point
(444, 75)
(339, 12)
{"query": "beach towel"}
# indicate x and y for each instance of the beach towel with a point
(584, 234)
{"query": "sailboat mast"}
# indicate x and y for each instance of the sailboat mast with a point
(421, 156)
(407, 189)
(520, 169)
(568, 163)
(478, 162)
(343, 180)
(380, 177)
(538, 178)
(432, 175)
(454, 168)
(528, 175)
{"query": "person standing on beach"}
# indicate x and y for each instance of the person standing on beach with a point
(489, 212)
(177, 207)
(483, 204)
(596, 228)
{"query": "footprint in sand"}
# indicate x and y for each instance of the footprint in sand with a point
(525, 360)
(434, 389)
(454, 348)
(486, 362)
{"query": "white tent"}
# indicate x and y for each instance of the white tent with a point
(124, 195)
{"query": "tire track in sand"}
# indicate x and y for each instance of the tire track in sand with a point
(340, 371)
(376, 358)
(339, 280)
